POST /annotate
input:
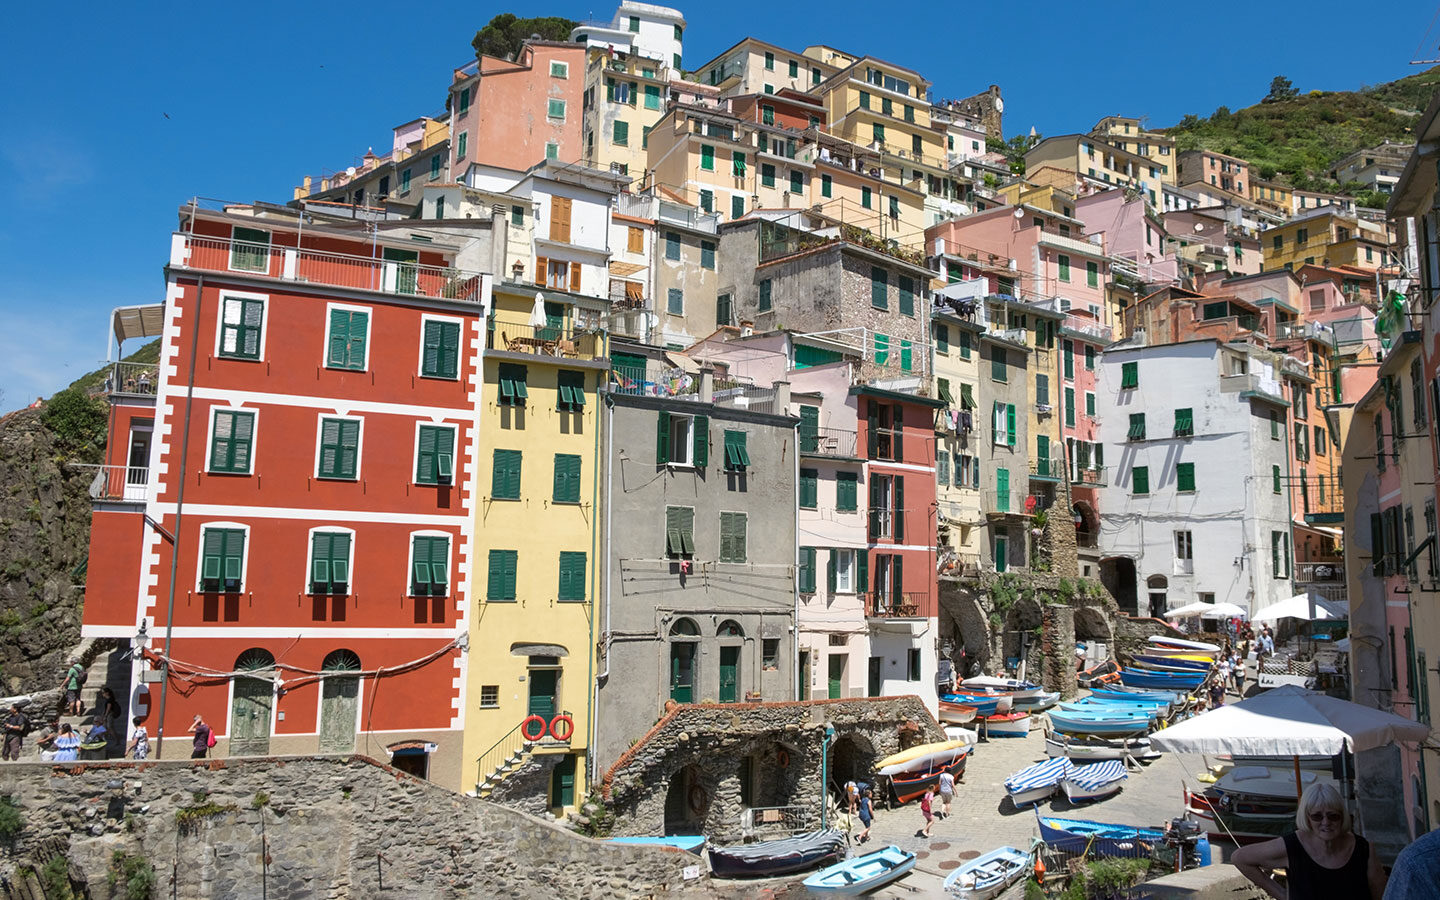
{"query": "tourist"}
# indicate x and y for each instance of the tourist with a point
(140, 744)
(1217, 692)
(1321, 858)
(107, 707)
(867, 815)
(1267, 641)
(15, 727)
(852, 797)
(1237, 664)
(927, 810)
(203, 738)
(947, 793)
(66, 744)
(74, 677)
(1416, 875)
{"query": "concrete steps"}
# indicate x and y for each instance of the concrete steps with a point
(508, 765)
(109, 668)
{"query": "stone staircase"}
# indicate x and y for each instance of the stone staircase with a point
(108, 666)
(515, 759)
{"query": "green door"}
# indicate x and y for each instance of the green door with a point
(562, 782)
(405, 277)
(682, 672)
(1002, 490)
(339, 702)
(542, 692)
(554, 322)
(837, 676)
(254, 698)
(729, 674)
(872, 681)
(1002, 548)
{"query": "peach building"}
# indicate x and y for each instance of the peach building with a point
(516, 113)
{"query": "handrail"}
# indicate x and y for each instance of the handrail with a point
(493, 757)
(117, 482)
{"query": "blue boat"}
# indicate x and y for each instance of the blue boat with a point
(1090, 723)
(1120, 693)
(987, 876)
(1174, 681)
(985, 704)
(1154, 710)
(862, 874)
(691, 843)
(1104, 839)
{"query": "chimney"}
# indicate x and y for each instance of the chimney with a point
(782, 397)
(747, 327)
(707, 384)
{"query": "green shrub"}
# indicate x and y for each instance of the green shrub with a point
(76, 419)
(12, 822)
(133, 875)
(55, 879)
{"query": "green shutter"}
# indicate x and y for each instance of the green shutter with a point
(997, 365)
(964, 344)
(1184, 422)
(707, 157)
(1275, 479)
(700, 437)
(662, 438)
(1137, 427)
(514, 390)
(879, 287)
(847, 491)
(830, 577)
(1185, 476)
(732, 537)
(1010, 424)
(707, 254)
(1070, 407)
(679, 531)
(1129, 375)
(809, 429)
(1002, 490)
(1042, 456)
(907, 295)
(505, 477)
(1092, 274)
(1141, 478)
(862, 571)
(234, 433)
(500, 581)
(436, 451)
(621, 133)
(805, 576)
(906, 356)
(339, 447)
(737, 457)
(567, 478)
(1069, 357)
(809, 488)
(212, 555)
(572, 576)
(571, 393)
(441, 350)
(672, 245)
(942, 338)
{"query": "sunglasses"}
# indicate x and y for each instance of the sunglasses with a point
(1326, 817)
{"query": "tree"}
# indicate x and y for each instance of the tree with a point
(1280, 89)
(503, 35)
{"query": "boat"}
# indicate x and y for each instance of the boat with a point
(689, 842)
(1161, 640)
(956, 713)
(782, 857)
(911, 784)
(1035, 783)
(985, 703)
(1037, 703)
(1149, 678)
(1251, 802)
(988, 875)
(862, 874)
(1016, 688)
(1094, 749)
(966, 735)
(1119, 692)
(1011, 724)
(919, 756)
(1107, 672)
(1095, 781)
(1115, 724)
(1174, 663)
(1157, 709)
(1104, 839)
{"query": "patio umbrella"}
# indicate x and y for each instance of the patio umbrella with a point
(537, 312)
(1309, 606)
(1207, 611)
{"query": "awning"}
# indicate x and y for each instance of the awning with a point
(138, 321)
(622, 269)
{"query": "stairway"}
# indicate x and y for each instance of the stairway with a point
(109, 667)
(508, 764)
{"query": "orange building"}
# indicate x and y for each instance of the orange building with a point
(513, 114)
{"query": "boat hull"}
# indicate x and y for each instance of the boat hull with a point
(920, 751)
(862, 874)
(1172, 664)
(957, 713)
(1169, 681)
(1108, 726)
(1102, 839)
(1094, 782)
(782, 857)
(1159, 640)
(987, 876)
(1099, 749)
(1037, 703)
(909, 785)
(1007, 725)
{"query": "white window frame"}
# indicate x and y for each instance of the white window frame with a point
(559, 69)
(264, 322)
(369, 312)
(420, 348)
(455, 428)
(210, 437)
(200, 556)
(269, 245)
(563, 109)
(844, 574)
(688, 443)
(1184, 552)
(450, 581)
(310, 556)
(359, 446)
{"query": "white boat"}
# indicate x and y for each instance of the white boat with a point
(1268, 781)
(1096, 749)
(956, 713)
(1012, 724)
(1184, 646)
(987, 876)
(1035, 783)
(943, 752)
(1038, 703)
(956, 733)
(1094, 781)
(990, 683)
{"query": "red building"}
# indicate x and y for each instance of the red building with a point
(293, 479)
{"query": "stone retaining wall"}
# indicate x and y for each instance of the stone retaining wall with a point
(310, 827)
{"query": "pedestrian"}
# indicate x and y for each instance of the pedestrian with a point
(927, 810)
(852, 797)
(15, 727)
(74, 679)
(140, 744)
(1322, 857)
(947, 792)
(66, 744)
(108, 707)
(46, 742)
(1237, 663)
(1417, 870)
(867, 815)
(203, 738)
(1217, 692)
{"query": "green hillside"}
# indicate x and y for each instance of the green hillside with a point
(1297, 138)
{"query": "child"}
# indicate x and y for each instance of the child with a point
(927, 810)
(140, 745)
(867, 815)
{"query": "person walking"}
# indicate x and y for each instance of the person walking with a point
(947, 793)
(140, 744)
(927, 810)
(1322, 857)
(74, 680)
(203, 738)
(867, 815)
(1237, 665)
(66, 744)
(15, 727)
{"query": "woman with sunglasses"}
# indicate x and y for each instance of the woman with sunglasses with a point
(1322, 858)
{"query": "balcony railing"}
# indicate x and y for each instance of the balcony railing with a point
(1011, 502)
(545, 340)
(1089, 328)
(1050, 468)
(1320, 571)
(332, 269)
(835, 442)
(890, 605)
(133, 378)
(739, 395)
(1098, 476)
(654, 380)
(119, 482)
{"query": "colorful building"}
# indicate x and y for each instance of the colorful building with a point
(1328, 238)
(515, 113)
(1220, 170)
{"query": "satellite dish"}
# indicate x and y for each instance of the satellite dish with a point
(350, 171)
(1019, 212)
(1199, 227)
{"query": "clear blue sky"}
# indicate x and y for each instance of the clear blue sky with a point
(259, 95)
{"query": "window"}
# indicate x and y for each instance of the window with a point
(249, 250)
(567, 478)
(572, 576)
(571, 393)
(1068, 356)
(1090, 358)
(912, 668)
(1003, 422)
(1042, 389)
(707, 255)
(879, 287)
(463, 102)
(1092, 274)
(767, 175)
(732, 537)
(1064, 262)
(232, 436)
(404, 181)
(942, 469)
(461, 141)
(805, 572)
(346, 346)
(797, 181)
(865, 197)
(964, 344)
(1137, 427)
(722, 309)
(1185, 477)
(440, 349)
(826, 186)
(489, 696)
(500, 575)
(241, 321)
(764, 294)
(552, 150)
(1184, 546)
(769, 61)
(429, 565)
(675, 302)
(505, 476)
(1320, 441)
(887, 507)
(559, 69)
(555, 109)
(1417, 394)
(997, 365)
(1089, 403)
(621, 133)
(512, 381)
(1129, 375)
(682, 440)
(1274, 425)
(679, 532)
(435, 454)
(1184, 422)
(1140, 480)
(847, 493)
(222, 559)
(517, 217)
(435, 167)
(1070, 407)
(737, 458)
(1280, 554)
(942, 338)
(907, 295)
(809, 488)
(339, 448)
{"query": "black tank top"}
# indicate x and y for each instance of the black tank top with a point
(1308, 880)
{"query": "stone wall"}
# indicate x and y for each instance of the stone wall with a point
(1132, 632)
(690, 771)
(310, 827)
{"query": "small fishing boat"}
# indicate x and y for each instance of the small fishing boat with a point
(1113, 724)
(995, 685)
(1171, 681)
(692, 843)
(1037, 703)
(911, 784)
(956, 733)
(1107, 672)
(782, 857)
(985, 703)
(957, 713)
(862, 874)
(988, 875)
(1093, 782)
(1251, 802)
(1035, 783)
(1011, 724)
(1119, 692)
(920, 756)
(1156, 709)
(1103, 839)
(1094, 749)
(1172, 643)
(1174, 663)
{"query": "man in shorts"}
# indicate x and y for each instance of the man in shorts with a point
(72, 687)
(947, 793)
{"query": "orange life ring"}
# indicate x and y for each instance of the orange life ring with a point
(782, 758)
(697, 798)
(569, 727)
(525, 728)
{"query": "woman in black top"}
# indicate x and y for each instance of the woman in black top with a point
(1322, 858)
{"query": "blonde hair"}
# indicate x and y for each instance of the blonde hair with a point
(1320, 796)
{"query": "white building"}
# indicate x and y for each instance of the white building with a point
(1197, 508)
(644, 29)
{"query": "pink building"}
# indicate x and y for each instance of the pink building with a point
(514, 114)
(1082, 339)
(1130, 232)
(1229, 173)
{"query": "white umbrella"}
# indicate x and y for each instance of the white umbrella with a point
(537, 312)
(1207, 611)
(1311, 607)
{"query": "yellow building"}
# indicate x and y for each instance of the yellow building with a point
(1126, 134)
(1100, 162)
(755, 67)
(534, 571)
(1041, 196)
(956, 341)
(624, 97)
(705, 157)
(1271, 195)
(1330, 239)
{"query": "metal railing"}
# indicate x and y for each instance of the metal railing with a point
(118, 482)
(1047, 467)
(1320, 571)
(332, 269)
(745, 396)
(1089, 327)
(829, 442)
(1092, 475)
(654, 380)
(772, 821)
(133, 378)
(512, 746)
(904, 605)
(557, 341)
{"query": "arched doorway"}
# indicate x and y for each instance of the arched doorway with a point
(251, 705)
(731, 637)
(1157, 586)
(1021, 638)
(686, 802)
(684, 638)
(1087, 525)
(852, 757)
(339, 701)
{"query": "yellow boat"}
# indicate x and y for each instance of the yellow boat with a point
(922, 750)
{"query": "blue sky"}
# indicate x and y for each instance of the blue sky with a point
(115, 114)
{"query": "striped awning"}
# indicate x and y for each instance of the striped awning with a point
(138, 321)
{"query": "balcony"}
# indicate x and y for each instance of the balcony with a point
(1047, 469)
(555, 341)
(743, 395)
(1329, 572)
(123, 483)
(1092, 476)
(133, 379)
(832, 443)
(1305, 331)
(1011, 503)
(1322, 501)
(1252, 386)
(890, 605)
(1074, 245)
(331, 269)
(654, 379)
(1088, 327)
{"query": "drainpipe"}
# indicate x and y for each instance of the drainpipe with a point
(590, 677)
(825, 773)
(179, 512)
(609, 517)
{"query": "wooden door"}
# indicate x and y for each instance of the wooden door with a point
(253, 701)
(562, 783)
(405, 277)
(837, 676)
(682, 672)
(872, 680)
(339, 702)
(542, 692)
(729, 674)
(1002, 552)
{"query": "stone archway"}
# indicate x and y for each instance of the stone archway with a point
(852, 758)
(687, 802)
(1091, 624)
(1021, 637)
(1087, 524)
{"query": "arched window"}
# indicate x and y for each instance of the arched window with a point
(685, 628)
(254, 660)
(341, 661)
(339, 701)
(730, 628)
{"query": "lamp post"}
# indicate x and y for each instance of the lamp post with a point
(825, 773)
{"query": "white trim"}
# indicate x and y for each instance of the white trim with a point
(210, 439)
(450, 540)
(689, 462)
(269, 244)
(369, 330)
(317, 515)
(200, 557)
(420, 354)
(415, 458)
(310, 558)
(915, 547)
(341, 406)
(564, 66)
(227, 293)
(228, 632)
(359, 446)
(905, 467)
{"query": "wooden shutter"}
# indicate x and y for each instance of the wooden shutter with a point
(809, 428)
(897, 579)
(875, 508)
(899, 527)
(430, 355)
(575, 277)
(830, 578)
(339, 559)
(862, 571)
(449, 349)
(636, 237)
(234, 553)
(560, 219)
(320, 562)
(662, 438)
(250, 332)
(897, 440)
(355, 340)
(806, 575)
(700, 435)
(339, 337)
(330, 447)
(495, 576)
(349, 447)
(213, 551)
(425, 457)
(1010, 424)
(244, 426)
(872, 429)
(220, 442)
(809, 488)
(1377, 544)
(542, 268)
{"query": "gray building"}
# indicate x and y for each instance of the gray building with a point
(1001, 440)
(699, 539)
